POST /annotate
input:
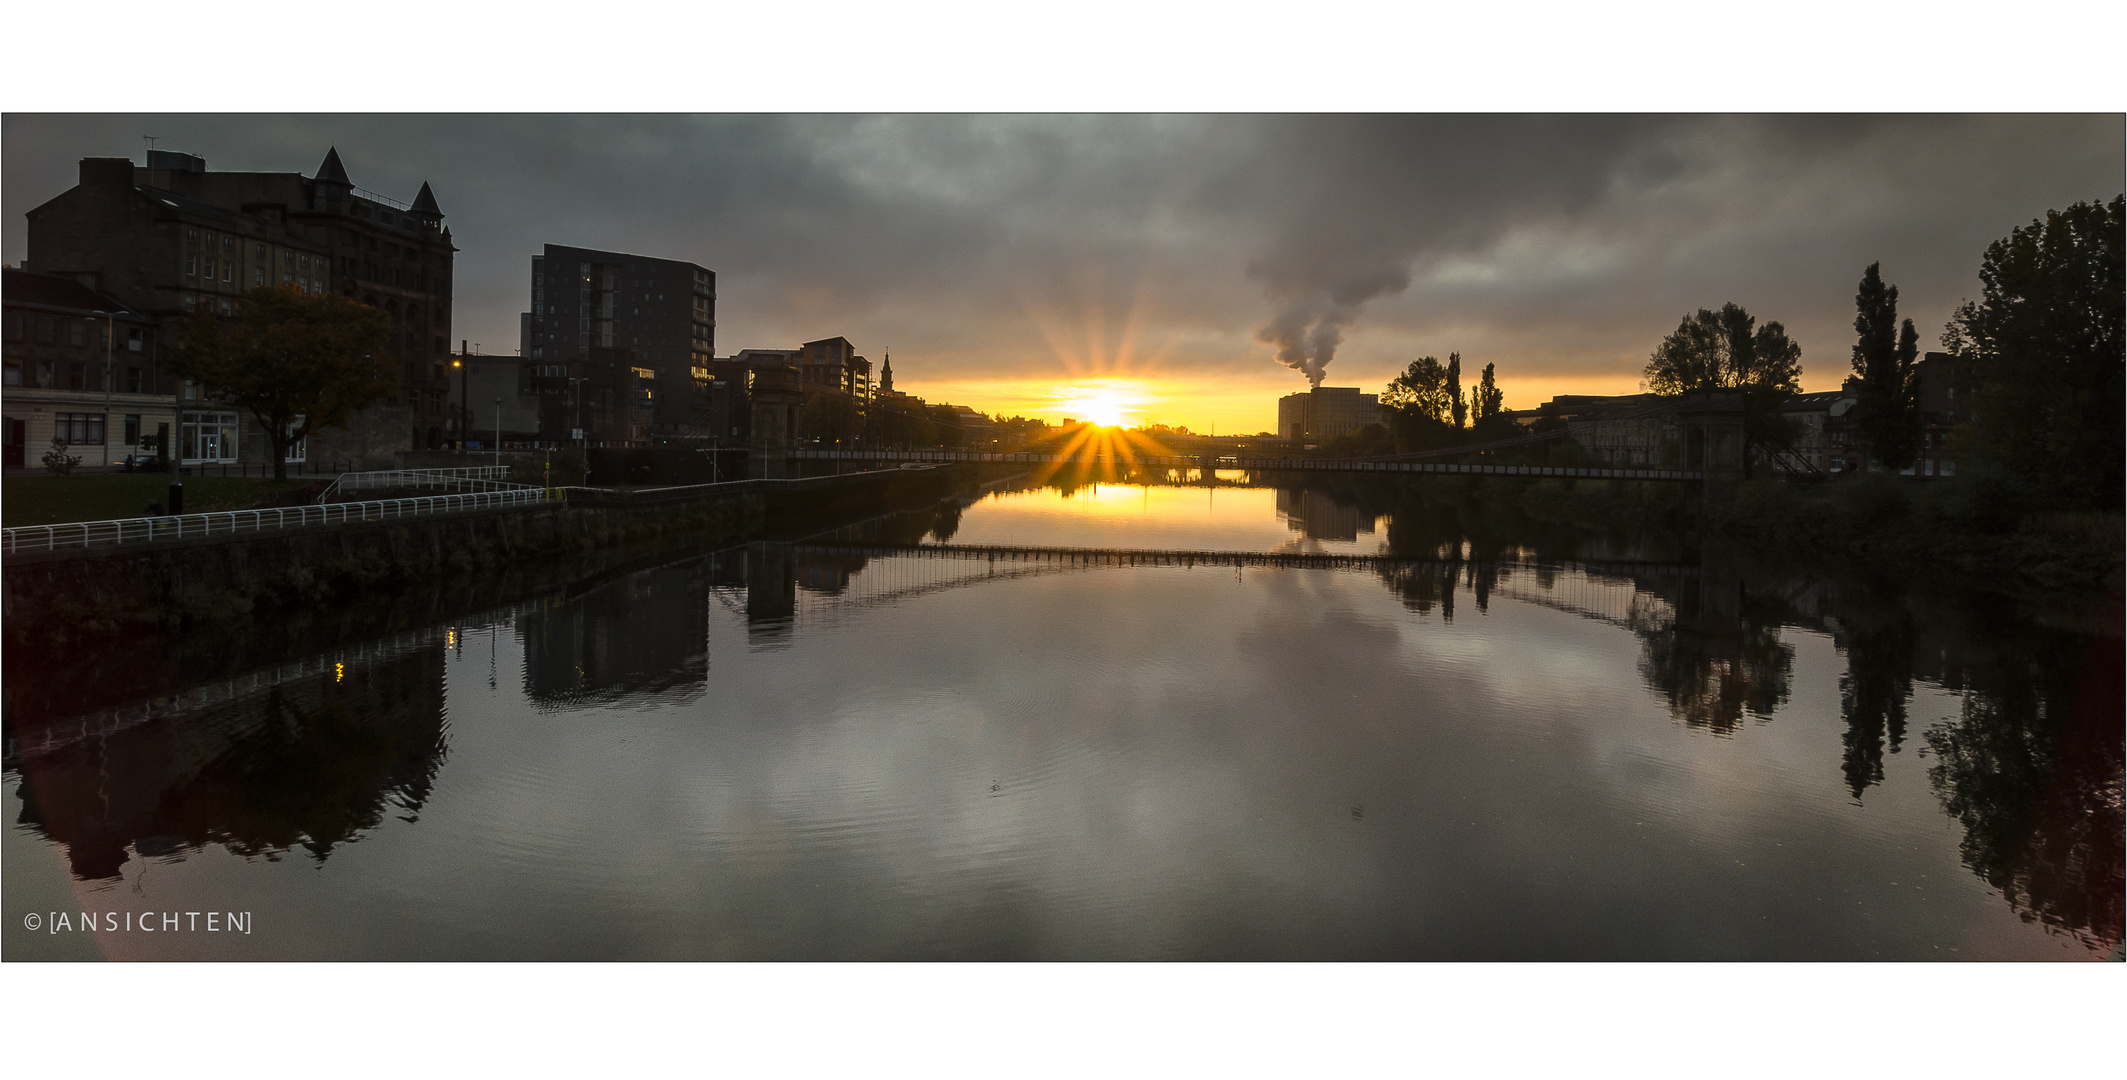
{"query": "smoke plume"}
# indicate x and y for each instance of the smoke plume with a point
(1309, 326)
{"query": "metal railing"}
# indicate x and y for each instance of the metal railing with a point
(479, 478)
(1261, 464)
(89, 534)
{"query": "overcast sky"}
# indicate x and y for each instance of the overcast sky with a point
(1003, 258)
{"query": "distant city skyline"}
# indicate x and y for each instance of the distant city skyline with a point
(1150, 267)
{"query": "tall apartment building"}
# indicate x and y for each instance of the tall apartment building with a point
(1326, 412)
(833, 362)
(660, 311)
(172, 236)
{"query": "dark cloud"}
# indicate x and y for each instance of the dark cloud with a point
(1029, 246)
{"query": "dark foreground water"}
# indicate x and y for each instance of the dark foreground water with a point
(1521, 742)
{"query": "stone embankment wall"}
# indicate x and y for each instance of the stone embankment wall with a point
(86, 596)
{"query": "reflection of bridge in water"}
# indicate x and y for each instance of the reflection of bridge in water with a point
(778, 586)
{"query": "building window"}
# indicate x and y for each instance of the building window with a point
(191, 266)
(134, 338)
(191, 301)
(258, 275)
(210, 268)
(191, 236)
(133, 381)
(210, 239)
(14, 326)
(208, 436)
(133, 429)
(228, 271)
(78, 429)
(44, 330)
(259, 250)
(228, 308)
(228, 243)
(77, 334)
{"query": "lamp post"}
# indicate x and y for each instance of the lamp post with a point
(465, 394)
(110, 339)
(498, 432)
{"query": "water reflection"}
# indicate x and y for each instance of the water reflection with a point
(1302, 692)
(2032, 770)
(644, 636)
(309, 764)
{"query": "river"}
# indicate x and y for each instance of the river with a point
(1474, 736)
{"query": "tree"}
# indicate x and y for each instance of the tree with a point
(1720, 350)
(2042, 353)
(1456, 404)
(58, 462)
(829, 416)
(296, 363)
(1887, 412)
(1422, 390)
(1489, 405)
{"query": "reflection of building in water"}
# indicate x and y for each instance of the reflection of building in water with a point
(1317, 516)
(646, 635)
(313, 762)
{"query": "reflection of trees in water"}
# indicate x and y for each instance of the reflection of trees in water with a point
(312, 765)
(1712, 661)
(1873, 692)
(2032, 770)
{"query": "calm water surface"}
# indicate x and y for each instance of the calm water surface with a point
(1520, 741)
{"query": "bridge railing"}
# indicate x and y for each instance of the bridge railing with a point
(1260, 464)
(93, 534)
(480, 478)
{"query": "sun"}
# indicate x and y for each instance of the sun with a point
(1107, 402)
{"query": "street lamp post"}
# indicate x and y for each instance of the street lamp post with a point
(110, 340)
(465, 394)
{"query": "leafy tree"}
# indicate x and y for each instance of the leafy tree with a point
(1489, 406)
(829, 416)
(296, 363)
(1422, 390)
(1887, 412)
(2042, 353)
(1456, 404)
(1724, 350)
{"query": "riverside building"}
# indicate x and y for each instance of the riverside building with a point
(173, 237)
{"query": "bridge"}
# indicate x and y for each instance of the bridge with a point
(1250, 464)
(1094, 557)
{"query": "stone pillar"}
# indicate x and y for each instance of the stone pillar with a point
(1710, 424)
(775, 399)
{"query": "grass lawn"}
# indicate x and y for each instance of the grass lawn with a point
(47, 500)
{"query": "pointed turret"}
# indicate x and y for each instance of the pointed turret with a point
(425, 207)
(331, 171)
(330, 188)
(886, 374)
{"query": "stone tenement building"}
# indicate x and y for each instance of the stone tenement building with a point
(170, 237)
(82, 370)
